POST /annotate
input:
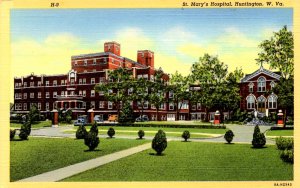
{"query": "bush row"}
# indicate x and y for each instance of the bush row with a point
(282, 128)
(168, 125)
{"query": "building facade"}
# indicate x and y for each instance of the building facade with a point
(75, 90)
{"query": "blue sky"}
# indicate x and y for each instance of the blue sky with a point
(178, 37)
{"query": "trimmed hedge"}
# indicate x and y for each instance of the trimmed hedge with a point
(159, 142)
(186, 135)
(284, 143)
(282, 128)
(141, 134)
(229, 136)
(169, 125)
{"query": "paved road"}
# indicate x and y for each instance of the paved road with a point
(243, 134)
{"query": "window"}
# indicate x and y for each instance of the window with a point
(39, 83)
(16, 85)
(83, 81)
(94, 62)
(54, 105)
(84, 93)
(39, 106)
(54, 82)
(261, 102)
(80, 93)
(194, 107)
(153, 106)
(47, 95)
(261, 85)
(102, 79)
(62, 82)
(101, 104)
(130, 90)
(183, 105)
(47, 106)
(250, 102)
(25, 84)
(39, 95)
(272, 84)
(72, 81)
(92, 93)
(47, 83)
(92, 80)
(25, 95)
(85, 62)
(101, 93)
(80, 81)
(62, 93)
(18, 106)
(31, 95)
(84, 105)
(171, 94)
(146, 104)
(272, 101)
(92, 104)
(31, 84)
(171, 106)
(25, 106)
(198, 106)
(110, 105)
(17, 96)
(162, 106)
(54, 94)
(251, 87)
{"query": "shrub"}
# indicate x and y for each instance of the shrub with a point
(91, 140)
(259, 139)
(111, 132)
(159, 142)
(186, 135)
(287, 155)
(229, 136)
(81, 132)
(141, 134)
(284, 143)
(126, 114)
(12, 134)
(25, 130)
(68, 119)
(94, 128)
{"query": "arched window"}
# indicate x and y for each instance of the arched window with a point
(272, 101)
(272, 84)
(261, 84)
(250, 102)
(251, 87)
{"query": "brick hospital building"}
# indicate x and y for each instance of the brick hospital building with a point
(75, 90)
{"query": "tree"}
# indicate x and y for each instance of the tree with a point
(284, 90)
(159, 142)
(126, 114)
(91, 139)
(229, 136)
(278, 52)
(259, 139)
(186, 135)
(157, 93)
(116, 91)
(216, 89)
(81, 132)
(141, 93)
(179, 86)
(34, 114)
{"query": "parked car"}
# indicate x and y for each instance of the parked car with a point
(142, 118)
(81, 120)
(113, 118)
(98, 119)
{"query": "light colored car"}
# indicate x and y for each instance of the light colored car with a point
(98, 119)
(113, 118)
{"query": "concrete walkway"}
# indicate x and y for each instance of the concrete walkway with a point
(68, 171)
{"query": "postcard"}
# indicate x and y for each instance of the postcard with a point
(138, 93)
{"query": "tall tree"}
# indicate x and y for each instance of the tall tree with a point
(278, 52)
(116, 91)
(210, 73)
(179, 86)
(157, 93)
(141, 93)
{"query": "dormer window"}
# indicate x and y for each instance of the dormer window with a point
(251, 87)
(261, 84)
(272, 84)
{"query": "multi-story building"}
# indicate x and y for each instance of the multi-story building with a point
(75, 90)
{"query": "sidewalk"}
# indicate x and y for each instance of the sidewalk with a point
(71, 170)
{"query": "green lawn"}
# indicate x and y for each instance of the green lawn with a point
(280, 133)
(195, 161)
(151, 131)
(39, 124)
(38, 155)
